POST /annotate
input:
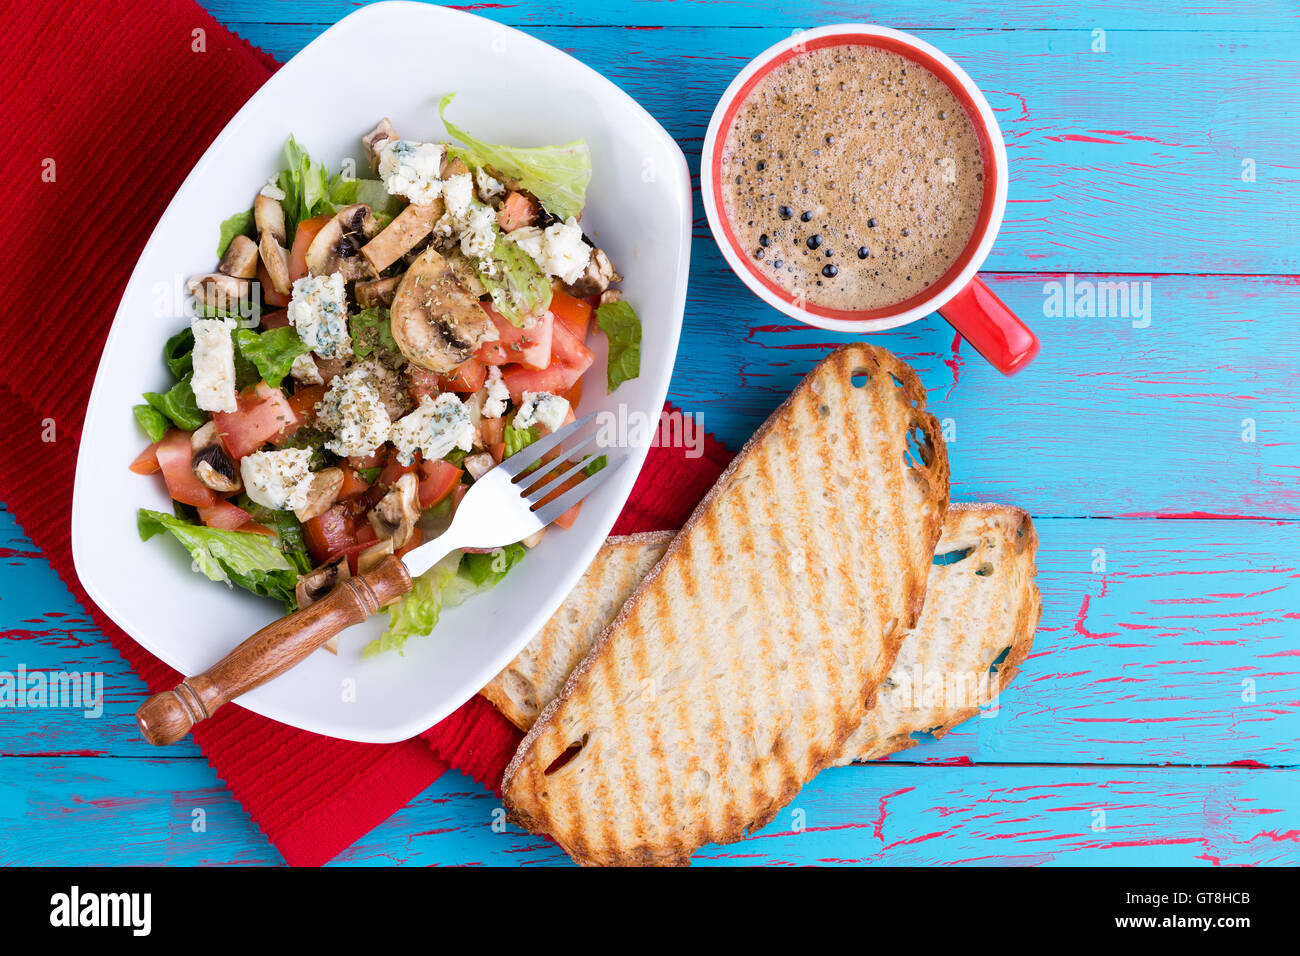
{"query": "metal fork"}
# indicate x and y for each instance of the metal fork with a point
(514, 500)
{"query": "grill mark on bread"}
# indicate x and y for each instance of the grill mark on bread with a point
(723, 757)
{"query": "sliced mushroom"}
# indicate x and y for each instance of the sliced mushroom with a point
(240, 259)
(398, 511)
(319, 582)
(534, 539)
(436, 323)
(375, 139)
(372, 292)
(211, 462)
(479, 465)
(322, 493)
(337, 247)
(276, 260)
(452, 166)
(611, 296)
(268, 214)
(400, 236)
(597, 277)
(219, 291)
(374, 555)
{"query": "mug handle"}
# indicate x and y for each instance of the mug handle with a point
(987, 324)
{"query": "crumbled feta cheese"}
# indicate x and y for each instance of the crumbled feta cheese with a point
(280, 480)
(304, 370)
(466, 217)
(411, 169)
(214, 365)
(560, 250)
(542, 408)
(272, 190)
(488, 188)
(479, 235)
(494, 406)
(434, 429)
(458, 194)
(319, 313)
(354, 412)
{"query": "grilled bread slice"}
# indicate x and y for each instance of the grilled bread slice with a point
(534, 678)
(982, 608)
(750, 652)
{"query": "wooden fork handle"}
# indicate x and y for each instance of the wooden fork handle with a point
(167, 717)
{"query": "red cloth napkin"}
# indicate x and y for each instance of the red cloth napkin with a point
(103, 115)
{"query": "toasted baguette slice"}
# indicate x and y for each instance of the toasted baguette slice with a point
(981, 612)
(747, 656)
(534, 678)
(980, 615)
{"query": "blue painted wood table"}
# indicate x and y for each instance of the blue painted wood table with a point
(1153, 168)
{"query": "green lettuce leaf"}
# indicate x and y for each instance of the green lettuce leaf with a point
(344, 192)
(286, 527)
(556, 175)
(518, 286)
(179, 405)
(178, 353)
(313, 439)
(240, 224)
(272, 352)
(619, 322)
(449, 582)
(487, 570)
(251, 561)
(372, 335)
(151, 420)
(306, 187)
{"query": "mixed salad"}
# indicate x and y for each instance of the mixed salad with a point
(366, 348)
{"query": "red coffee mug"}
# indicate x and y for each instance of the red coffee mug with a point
(959, 295)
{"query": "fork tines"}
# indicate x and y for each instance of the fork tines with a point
(542, 486)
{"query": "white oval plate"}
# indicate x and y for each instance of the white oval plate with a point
(511, 89)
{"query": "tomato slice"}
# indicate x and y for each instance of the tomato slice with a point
(574, 395)
(573, 312)
(275, 320)
(175, 458)
(529, 347)
(497, 450)
(421, 383)
(329, 534)
(557, 380)
(437, 479)
(516, 211)
(302, 238)
(394, 470)
(467, 379)
(224, 515)
(353, 483)
(458, 495)
(263, 413)
(146, 463)
(492, 431)
(567, 348)
(303, 403)
(492, 353)
(270, 297)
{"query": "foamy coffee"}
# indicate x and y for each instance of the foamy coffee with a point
(852, 177)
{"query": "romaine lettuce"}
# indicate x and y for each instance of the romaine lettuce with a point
(249, 560)
(272, 352)
(556, 175)
(518, 286)
(619, 322)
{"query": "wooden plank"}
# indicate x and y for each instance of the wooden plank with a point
(1109, 420)
(98, 812)
(903, 15)
(1114, 167)
(1145, 660)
